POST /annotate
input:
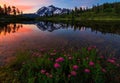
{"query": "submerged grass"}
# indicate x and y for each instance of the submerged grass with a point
(82, 66)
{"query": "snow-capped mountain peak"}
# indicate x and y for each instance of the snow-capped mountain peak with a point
(50, 10)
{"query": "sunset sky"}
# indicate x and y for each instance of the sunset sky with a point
(31, 6)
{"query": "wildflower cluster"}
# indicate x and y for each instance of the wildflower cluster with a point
(84, 66)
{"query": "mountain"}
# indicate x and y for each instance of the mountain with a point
(50, 10)
(48, 26)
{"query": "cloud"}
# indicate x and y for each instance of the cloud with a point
(34, 5)
(24, 7)
(26, 4)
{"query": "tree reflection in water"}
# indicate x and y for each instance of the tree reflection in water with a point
(9, 28)
(103, 27)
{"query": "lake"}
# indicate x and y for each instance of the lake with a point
(67, 36)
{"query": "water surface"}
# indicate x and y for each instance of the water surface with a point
(16, 36)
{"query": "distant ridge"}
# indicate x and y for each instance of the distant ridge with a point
(31, 15)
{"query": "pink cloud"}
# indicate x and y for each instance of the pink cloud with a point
(23, 7)
(26, 5)
(28, 2)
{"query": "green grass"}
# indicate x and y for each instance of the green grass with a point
(41, 66)
(83, 17)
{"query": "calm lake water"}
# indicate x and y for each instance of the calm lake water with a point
(58, 35)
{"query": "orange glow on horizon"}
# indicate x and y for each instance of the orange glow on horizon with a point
(27, 6)
(24, 8)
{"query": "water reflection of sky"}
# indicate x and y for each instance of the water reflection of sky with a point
(31, 37)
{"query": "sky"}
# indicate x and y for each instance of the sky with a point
(31, 6)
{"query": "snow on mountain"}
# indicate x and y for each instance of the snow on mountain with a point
(57, 11)
(42, 11)
(51, 10)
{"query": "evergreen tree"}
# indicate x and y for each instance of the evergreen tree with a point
(117, 8)
(80, 10)
(18, 11)
(9, 10)
(73, 13)
(5, 9)
(14, 10)
(1, 11)
(76, 9)
(97, 8)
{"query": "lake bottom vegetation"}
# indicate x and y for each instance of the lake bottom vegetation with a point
(85, 65)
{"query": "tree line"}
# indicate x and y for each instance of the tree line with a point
(105, 8)
(9, 10)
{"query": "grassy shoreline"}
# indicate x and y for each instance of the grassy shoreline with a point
(79, 18)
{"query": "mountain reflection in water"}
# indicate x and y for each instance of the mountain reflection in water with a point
(50, 27)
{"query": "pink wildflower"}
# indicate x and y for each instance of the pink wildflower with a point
(43, 71)
(111, 61)
(89, 48)
(70, 58)
(75, 67)
(103, 70)
(42, 49)
(101, 57)
(54, 50)
(73, 73)
(87, 70)
(60, 59)
(69, 75)
(118, 65)
(56, 65)
(50, 75)
(91, 63)
(47, 74)
(94, 46)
